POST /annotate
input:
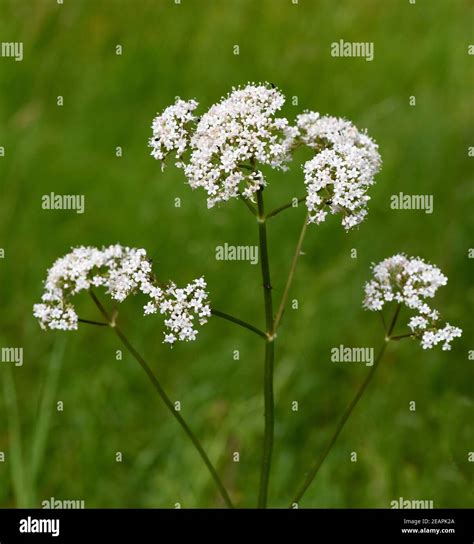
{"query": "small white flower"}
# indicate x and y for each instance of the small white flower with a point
(409, 281)
(149, 308)
(169, 339)
(418, 322)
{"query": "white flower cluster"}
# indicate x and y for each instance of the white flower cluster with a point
(409, 281)
(240, 128)
(230, 142)
(181, 306)
(122, 271)
(229, 138)
(171, 129)
(117, 268)
(338, 176)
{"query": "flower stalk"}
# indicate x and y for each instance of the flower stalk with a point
(291, 274)
(280, 209)
(239, 322)
(350, 408)
(164, 397)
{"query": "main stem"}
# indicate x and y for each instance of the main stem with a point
(164, 397)
(269, 355)
(315, 469)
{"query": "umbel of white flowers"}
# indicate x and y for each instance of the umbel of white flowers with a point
(410, 281)
(122, 271)
(223, 151)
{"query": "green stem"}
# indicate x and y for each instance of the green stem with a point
(291, 274)
(401, 336)
(269, 355)
(238, 321)
(252, 209)
(164, 397)
(383, 321)
(394, 321)
(90, 322)
(276, 211)
(315, 469)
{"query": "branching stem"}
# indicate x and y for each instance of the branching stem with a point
(164, 397)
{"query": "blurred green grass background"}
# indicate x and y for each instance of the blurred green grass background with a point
(109, 101)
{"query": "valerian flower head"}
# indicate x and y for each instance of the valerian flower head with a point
(171, 130)
(231, 139)
(122, 271)
(338, 176)
(223, 151)
(239, 131)
(410, 281)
